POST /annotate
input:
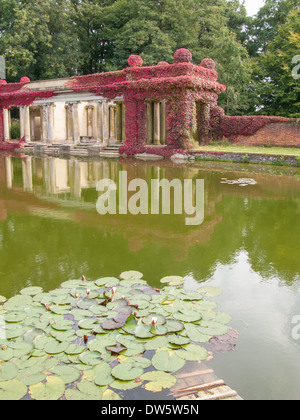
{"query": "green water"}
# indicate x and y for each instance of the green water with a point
(248, 245)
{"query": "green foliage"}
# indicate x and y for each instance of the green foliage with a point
(60, 38)
(279, 90)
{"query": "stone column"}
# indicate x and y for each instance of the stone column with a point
(105, 122)
(6, 124)
(44, 123)
(99, 122)
(22, 122)
(27, 123)
(90, 120)
(149, 111)
(123, 122)
(112, 124)
(119, 122)
(156, 124)
(76, 123)
(50, 112)
(163, 130)
(69, 121)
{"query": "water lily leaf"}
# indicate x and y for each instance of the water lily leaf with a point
(110, 324)
(196, 335)
(74, 349)
(167, 361)
(158, 381)
(12, 390)
(68, 374)
(130, 325)
(118, 348)
(193, 352)
(2, 299)
(60, 309)
(68, 336)
(210, 291)
(104, 376)
(55, 347)
(31, 376)
(62, 325)
(213, 328)
(174, 326)
(126, 372)
(188, 316)
(31, 291)
(156, 343)
(51, 390)
(178, 340)
(110, 395)
(75, 395)
(14, 331)
(90, 358)
(90, 388)
(159, 330)
(8, 371)
(18, 302)
(137, 361)
(107, 281)
(87, 324)
(20, 348)
(125, 385)
(70, 284)
(131, 275)
(142, 331)
(16, 316)
(173, 280)
(223, 318)
(79, 314)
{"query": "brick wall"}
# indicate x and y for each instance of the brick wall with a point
(285, 133)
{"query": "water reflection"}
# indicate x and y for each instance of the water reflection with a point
(248, 245)
(39, 194)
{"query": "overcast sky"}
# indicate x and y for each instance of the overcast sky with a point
(253, 6)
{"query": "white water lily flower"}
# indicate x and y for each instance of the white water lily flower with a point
(154, 321)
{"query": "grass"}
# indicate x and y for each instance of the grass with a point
(232, 148)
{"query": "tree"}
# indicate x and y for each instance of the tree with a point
(38, 39)
(264, 27)
(279, 90)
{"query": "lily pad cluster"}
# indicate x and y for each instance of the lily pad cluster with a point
(96, 339)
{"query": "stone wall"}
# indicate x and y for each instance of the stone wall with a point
(284, 134)
(258, 131)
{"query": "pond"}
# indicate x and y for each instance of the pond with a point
(248, 245)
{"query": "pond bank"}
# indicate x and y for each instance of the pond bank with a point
(112, 151)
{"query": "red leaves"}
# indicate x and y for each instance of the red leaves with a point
(245, 126)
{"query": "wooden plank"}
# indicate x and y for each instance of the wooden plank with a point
(202, 384)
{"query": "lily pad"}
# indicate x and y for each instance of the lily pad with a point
(158, 381)
(8, 371)
(2, 299)
(167, 361)
(51, 390)
(31, 291)
(192, 352)
(173, 280)
(131, 275)
(55, 347)
(104, 377)
(12, 390)
(126, 372)
(68, 374)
